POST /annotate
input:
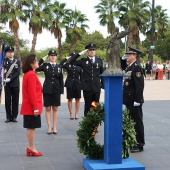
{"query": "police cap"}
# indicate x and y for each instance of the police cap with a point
(133, 51)
(9, 49)
(90, 46)
(52, 53)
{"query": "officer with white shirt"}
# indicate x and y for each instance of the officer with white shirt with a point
(91, 81)
(133, 87)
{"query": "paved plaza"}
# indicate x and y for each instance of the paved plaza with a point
(60, 151)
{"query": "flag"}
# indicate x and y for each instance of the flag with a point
(2, 57)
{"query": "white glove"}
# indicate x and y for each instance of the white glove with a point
(124, 57)
(68, 57)
(7, 80)
(102, 90)
(44, 58)
(81, 53)
(136, 104)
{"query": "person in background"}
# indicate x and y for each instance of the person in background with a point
(148, 69)
(11, 83)
(143, 65)
(31, 107)
(154, 68)
(133, 88)
(91, 83)
(53, 87)
(73, 85)
(167, 70)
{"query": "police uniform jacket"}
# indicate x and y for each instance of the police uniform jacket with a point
(53, 83)
(133, 86)
(14, 75)
(73, 75)
(91, 80)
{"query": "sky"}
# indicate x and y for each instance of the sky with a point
(46, 40)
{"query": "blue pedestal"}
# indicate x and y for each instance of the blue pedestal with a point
(127, 164)
(113, 130)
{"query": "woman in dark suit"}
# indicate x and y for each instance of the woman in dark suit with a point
(73, 85)
(31, 107)
(53, 87)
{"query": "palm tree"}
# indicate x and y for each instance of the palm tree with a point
(58, 12)
(11, 13)
(107, 14)
(134, 14)
(161, 23)
(39, 18)
(75, 27)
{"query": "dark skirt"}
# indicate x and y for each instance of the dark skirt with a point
(148, 72)
(51, 99)
(31, 122)
(73, 93)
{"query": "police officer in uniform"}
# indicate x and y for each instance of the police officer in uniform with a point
(11, 83)
(53, 87)
(91, 82)
(133, 87)
(73, 85)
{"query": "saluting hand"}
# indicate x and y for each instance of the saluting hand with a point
(44, 58)
(81, 53)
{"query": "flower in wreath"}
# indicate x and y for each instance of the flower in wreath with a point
(88, 129)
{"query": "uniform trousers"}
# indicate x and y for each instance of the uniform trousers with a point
(90, 97)
(137, 115)
(11, 101)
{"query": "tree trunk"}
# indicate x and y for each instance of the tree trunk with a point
(60, 49)
(17, 45)
(34, 41)
(129, 40)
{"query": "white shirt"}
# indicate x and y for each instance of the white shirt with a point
(93, 59)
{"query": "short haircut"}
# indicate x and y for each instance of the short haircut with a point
(27, 61)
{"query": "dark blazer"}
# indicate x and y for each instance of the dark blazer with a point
(91, 80)
(31, 94)
(133, 86)
(148, 67)
(14, 76)
(73, 75)
(53, 83)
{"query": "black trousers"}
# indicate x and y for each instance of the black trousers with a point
(11, 101)
(89, 97)
(137, 115)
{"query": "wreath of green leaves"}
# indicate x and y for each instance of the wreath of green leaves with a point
(88, 127)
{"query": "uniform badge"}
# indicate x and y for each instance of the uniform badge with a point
(87, 62)
(47, 67)
(7, 62)
(97, 65)
(59, 70)
(135, 64)
(69, 65)
(126, 83)
(138, 74)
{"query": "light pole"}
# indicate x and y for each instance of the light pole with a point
(152, 31)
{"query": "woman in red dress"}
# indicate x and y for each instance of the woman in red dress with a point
(31, 107)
